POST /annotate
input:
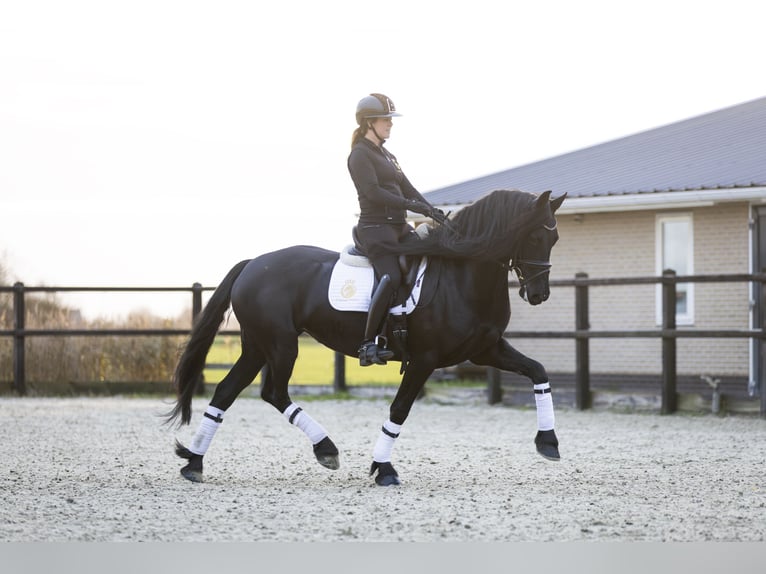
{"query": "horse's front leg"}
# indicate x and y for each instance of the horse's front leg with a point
(412, 383)
(503, 356)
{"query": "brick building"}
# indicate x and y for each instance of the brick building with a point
(689, 196)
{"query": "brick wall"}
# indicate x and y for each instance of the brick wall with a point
(623, 245)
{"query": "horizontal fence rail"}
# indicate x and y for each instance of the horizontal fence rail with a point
(668, 331)
(581, 334)
(20, 332)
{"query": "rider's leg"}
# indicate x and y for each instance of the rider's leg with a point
(373, 351)
(380, 241)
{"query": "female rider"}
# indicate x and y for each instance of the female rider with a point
(385, 195)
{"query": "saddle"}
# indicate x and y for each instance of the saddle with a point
(408, 265)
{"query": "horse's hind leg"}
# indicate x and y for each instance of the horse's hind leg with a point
(274, 392)
(236, 380)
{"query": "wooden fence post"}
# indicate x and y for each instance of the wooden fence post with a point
(582, 345)
(339, 380)
(762, 348)
(494, 388)
(669, 398)
(199, 386)
(196, 300)
(19, 323)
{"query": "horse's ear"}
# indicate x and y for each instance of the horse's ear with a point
(556, 203)
(543, 198)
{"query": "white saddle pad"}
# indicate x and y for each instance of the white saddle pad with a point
(352, 281)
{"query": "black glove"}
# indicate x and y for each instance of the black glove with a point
(443, 219)
(418, 207)
(438, 215)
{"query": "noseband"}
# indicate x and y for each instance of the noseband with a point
(543, 267)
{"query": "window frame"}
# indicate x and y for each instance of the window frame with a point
(661, 219)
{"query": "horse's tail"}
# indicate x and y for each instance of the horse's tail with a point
(203, 333)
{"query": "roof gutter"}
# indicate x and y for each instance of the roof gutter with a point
(662, 200)
(650, 200)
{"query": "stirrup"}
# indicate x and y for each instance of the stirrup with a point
(374, 352)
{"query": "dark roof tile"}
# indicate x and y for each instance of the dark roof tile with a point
(722, 149)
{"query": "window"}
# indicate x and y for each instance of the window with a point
(675, 250)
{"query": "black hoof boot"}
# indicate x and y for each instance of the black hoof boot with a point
(193, 470)
(547, 444)
(327, 454)
(387, 476)
(370, 353)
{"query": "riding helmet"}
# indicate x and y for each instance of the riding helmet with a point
(375, 106)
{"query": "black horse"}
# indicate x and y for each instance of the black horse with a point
(463, 311)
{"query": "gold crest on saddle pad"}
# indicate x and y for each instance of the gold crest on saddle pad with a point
(349, 289)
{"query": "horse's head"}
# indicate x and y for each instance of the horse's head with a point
(532, 260)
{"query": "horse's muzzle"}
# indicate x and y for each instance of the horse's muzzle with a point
(537, 298)
(539, 278)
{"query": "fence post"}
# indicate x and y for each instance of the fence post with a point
(494, 388)
(199, 386)
(19, 323)
(339, 380)
(669, 398)
(762, 348)
(196, 300)
(582, 345)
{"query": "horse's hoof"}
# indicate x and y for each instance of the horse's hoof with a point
(331, 462)
(327, 454)
(191, 474)
(387, 475)
(547, 445)
(193, 470)
(387, 480)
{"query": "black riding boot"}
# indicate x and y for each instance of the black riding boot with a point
(373, 350)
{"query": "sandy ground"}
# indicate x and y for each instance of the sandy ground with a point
(103, 469)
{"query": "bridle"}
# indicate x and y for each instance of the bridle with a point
(543, 267)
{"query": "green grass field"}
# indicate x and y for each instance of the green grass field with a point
(315, 365)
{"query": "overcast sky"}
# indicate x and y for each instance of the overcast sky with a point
(160, 142)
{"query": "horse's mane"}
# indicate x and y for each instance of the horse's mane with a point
(489, 229)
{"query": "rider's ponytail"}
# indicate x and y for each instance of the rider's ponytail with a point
(358, 134)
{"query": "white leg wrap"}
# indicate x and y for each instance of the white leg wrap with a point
(298, 417)
(211, 420)
(544, 402)
(385, 442)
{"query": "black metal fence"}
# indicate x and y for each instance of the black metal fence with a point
(581, 334)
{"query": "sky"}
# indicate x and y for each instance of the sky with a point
(158, 143)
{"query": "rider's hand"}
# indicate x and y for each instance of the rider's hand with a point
(419, 207)
(438, 215)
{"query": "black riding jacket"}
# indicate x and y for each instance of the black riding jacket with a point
(381, 185)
